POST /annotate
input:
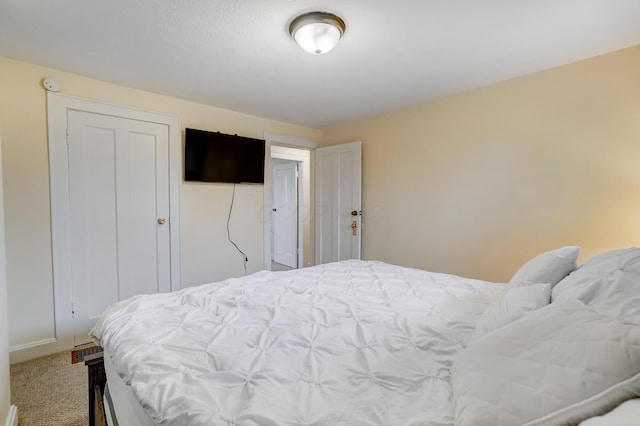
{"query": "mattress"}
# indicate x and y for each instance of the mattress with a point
(346, 343)
(121, 406)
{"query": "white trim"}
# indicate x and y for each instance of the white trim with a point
(300, 151)
(32, 344)
(32, 350)
(291, 141)
(12, 417)
(57, 106)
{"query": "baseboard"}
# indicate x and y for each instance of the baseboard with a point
(12, 418)
(32, 350)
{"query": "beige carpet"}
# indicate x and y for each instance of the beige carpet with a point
(50, 391)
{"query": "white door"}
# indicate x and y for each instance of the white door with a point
(285, 214)
(119, 212)
(338, 202)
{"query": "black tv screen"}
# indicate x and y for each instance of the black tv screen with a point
(218, 157)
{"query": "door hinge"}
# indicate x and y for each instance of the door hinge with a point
(73, 311)
(67, 132)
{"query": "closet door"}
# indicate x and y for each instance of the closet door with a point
(118, 212)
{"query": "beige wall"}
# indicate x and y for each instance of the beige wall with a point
(475, 184)
(206, 253)
(472, 184)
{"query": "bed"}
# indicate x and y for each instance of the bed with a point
(370, 343)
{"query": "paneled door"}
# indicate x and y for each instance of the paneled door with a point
(285, 214)
(338, 202)
(118, 172)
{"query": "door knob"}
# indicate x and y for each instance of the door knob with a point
(161, 221)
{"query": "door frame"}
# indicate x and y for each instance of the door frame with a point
(298, 149)
(57, 107)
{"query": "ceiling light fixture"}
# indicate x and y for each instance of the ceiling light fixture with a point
(317, 32)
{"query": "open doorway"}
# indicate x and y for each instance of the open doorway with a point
(290, 226)
(283, 149)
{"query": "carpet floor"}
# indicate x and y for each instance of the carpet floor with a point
(50, 391)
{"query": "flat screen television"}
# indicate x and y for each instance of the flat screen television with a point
(218, 157)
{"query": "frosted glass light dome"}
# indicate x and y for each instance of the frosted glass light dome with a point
(317, 32)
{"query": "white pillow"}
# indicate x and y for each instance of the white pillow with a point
(561, 364)
(549, 267)
(608, 282)
(514, 303)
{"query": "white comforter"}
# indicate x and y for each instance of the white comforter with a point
(346, 343)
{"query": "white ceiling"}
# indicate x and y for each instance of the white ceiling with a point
(238, 54)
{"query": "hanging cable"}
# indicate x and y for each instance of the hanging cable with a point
(246, 259)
